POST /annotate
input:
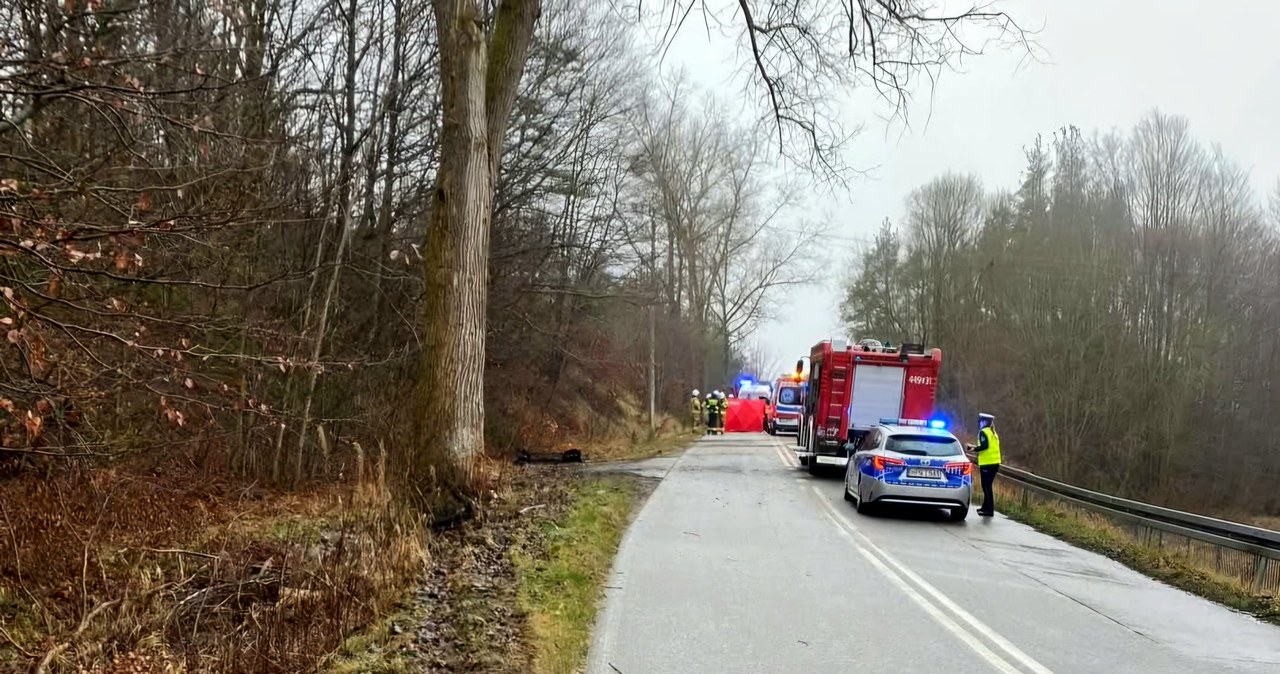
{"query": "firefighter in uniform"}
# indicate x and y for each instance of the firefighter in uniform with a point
(721, 407)
(988, 450)
(695, 410)
(709, 413)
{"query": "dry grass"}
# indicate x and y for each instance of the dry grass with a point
(1094, 532)
(1264, 521)
(634, 441)
(112, 571)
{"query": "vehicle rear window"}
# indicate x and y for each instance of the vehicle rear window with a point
(923, 445)
(789, 395)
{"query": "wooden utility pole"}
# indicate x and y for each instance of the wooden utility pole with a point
(653, 319)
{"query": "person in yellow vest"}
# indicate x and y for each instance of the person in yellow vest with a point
(988, 450)
(709, 411)
(695, 410)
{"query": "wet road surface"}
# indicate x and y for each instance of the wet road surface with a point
(742, 562)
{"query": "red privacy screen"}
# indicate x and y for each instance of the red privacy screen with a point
(744, 416)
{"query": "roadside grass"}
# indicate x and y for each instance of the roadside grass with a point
(559, 589)
(191, 574)
(1094, 532)
(375, 650)
(637, 442)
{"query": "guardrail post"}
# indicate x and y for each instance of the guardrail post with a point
(1260, 565)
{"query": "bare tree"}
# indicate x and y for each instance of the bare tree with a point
(481, 60)
(806, 55)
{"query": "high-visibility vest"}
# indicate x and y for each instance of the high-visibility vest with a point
(991, 455)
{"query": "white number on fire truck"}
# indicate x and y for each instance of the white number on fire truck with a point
(920, 379)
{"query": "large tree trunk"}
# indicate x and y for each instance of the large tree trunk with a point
(478, 79)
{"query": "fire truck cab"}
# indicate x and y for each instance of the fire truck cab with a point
(852, 387)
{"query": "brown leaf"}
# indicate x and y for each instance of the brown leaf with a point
(8, 406)
(43, 406)
(188, 383)
(54, 284)
(33, 425)
(6, 321)
(122, 259)
(15, 336)
(144, 202)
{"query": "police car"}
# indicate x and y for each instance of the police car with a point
(910, 462)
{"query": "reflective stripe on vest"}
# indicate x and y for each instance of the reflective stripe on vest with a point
(991, 455)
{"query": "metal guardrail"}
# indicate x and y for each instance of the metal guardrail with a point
(1250, 554)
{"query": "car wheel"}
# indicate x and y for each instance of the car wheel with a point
(804, 460)
(847, 496)
(958, 514)
(863, 507)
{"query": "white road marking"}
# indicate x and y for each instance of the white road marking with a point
(899, 573)
(943, 619)
(788, 457)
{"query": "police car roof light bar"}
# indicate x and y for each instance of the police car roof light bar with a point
(906, 422)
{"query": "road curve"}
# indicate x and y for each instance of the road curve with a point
(741, 562)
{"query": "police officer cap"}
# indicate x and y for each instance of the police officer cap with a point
(986, 417)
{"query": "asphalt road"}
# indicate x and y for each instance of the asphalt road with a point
(742, 562)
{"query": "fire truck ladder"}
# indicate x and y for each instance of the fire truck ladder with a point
(834, 414)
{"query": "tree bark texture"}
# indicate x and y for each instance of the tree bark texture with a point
(479, 76)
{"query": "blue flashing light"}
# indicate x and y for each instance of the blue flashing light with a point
(937, 423)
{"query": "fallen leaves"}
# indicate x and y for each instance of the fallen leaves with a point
(33, 424)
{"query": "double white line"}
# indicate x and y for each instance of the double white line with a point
(975, 634)
(787, 455)
(978, 636)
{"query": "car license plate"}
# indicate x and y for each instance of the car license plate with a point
(931, 473)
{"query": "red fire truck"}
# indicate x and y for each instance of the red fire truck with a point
(852, 387)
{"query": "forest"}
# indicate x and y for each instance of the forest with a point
(1119, 312)
(213, 232)
(251, 327)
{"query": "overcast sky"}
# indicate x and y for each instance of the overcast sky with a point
(1105, 64)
